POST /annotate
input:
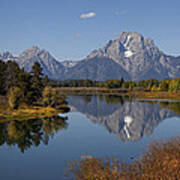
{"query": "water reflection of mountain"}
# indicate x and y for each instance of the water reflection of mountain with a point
(28, 133)
(130, 120)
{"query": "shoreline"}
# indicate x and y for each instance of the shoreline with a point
(141, 94)
(30, 112)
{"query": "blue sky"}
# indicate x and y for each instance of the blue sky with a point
(62, 26)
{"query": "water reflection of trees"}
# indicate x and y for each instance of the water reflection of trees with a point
(112, 99)
(130, 119)
(26, 134)
(174, 106)
(116, 99)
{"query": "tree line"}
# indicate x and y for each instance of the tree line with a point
(29, 88)
(171, 85)
(19, 85)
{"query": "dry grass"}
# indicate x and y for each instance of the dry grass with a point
(161, 161)
(91, 90)
(155, 95)
(26, 113)
(122, 92)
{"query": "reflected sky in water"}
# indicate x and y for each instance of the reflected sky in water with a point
(97, 125)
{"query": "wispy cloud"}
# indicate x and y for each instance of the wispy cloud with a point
(87, 15)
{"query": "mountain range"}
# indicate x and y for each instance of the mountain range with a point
(131, 56)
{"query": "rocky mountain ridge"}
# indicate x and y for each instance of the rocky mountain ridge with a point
(130, 56)
(140, 57)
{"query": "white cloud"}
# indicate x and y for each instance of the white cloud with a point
(88, 15)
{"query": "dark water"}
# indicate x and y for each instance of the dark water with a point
(101, 126)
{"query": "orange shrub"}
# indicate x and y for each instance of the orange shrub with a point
(161, 161)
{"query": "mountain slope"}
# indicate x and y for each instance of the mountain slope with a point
(96, 69)
(139, 57)
(69, 64)
(51, 67)
(7, 56)
(130, 56)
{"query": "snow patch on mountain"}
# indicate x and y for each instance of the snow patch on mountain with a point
(128, 53)
(127, 42)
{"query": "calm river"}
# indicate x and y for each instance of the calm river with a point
(101, 126)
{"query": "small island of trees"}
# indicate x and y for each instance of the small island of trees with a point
(27, 92)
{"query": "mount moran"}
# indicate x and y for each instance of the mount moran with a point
(130, 56)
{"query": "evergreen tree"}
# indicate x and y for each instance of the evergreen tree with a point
(45, 81)
(23, 79)
(11, 73)
(2, 77)
(164, 85)
(36, 81)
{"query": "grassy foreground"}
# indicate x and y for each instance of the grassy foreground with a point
(161, 161)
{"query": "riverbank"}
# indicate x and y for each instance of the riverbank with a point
(26, 112)
(121, 92)
(155, 95)
(90, 90)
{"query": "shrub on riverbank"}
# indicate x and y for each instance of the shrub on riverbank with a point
(14, 97)
(52, 97)
(160, 161)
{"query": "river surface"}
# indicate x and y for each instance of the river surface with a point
(101, 126)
